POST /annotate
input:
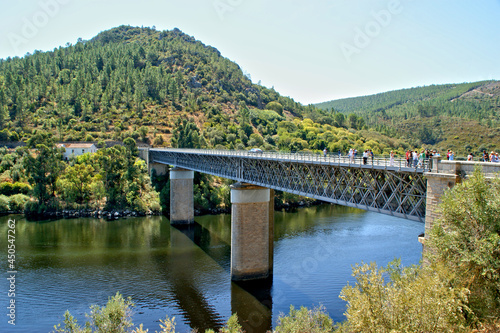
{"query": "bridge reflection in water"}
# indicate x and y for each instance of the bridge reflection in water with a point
(251, 300)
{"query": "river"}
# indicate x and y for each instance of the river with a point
(184, 273)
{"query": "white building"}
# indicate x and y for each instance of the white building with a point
(76, 149)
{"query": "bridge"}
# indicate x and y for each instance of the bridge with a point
(378, 184)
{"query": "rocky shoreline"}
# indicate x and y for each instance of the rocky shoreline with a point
(116, 214)
(100, 214)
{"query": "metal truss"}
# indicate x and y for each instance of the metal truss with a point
(393, 190)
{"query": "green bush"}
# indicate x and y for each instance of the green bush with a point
(17, 202)
(4, 204)
(115, 317)
(7, 188)
(466, 241)
(416, 299)
(305, 320)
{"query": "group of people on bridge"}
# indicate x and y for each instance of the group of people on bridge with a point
(414, 158)
(491, 157)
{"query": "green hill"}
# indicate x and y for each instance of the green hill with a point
(163, 88)
(463, 117)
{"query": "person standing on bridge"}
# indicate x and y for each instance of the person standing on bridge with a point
(415, 158)
(324, 152)
(365, 156)
(485, 156)
(391, 159)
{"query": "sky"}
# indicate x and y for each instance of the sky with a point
(312, 51)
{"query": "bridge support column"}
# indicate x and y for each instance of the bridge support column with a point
(438, 181)
(160, 169)
(181, 196)
(251, 256)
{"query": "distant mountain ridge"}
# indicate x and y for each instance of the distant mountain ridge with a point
(387, 100)
(464, 117)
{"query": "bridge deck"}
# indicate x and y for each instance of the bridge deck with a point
(380, 186)
(399, 164)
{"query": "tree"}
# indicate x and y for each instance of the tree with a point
(43, 167)
(465, 240)
(111, 163)
(185, 134)
(352, 121)
(275, 106)
(77, 183)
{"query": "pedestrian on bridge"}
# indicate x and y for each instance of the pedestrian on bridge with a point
(391, 159)
(485, 156)
(365, 156)
(415, 158)
(408, 158)
(324, 152)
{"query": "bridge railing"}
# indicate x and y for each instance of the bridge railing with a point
(330, 158)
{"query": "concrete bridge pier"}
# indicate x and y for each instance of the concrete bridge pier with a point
(181, 196)
(251, 232)
(439, 179)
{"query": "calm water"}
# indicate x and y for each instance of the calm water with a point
(71, 264)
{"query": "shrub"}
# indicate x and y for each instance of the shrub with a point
(4, 203)
(7, 188)
(17, 202)
(465, 239)
(114, 317)
(305, 320)
(415, 299)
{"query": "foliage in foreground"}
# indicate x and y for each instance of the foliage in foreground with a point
(416, 299)
(465, 240)
(305, 320)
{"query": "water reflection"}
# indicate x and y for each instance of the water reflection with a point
(253, 303)
(184, 272)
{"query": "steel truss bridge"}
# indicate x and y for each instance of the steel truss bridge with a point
(380, 185)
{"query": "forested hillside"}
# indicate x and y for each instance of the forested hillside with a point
(163, 88)
(463, 117)
(126, 82)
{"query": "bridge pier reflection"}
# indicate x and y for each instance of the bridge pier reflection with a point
(252, 302)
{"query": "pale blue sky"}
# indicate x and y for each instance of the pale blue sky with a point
(312, 51)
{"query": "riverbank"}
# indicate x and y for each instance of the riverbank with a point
(75, 213)
(117, 213)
